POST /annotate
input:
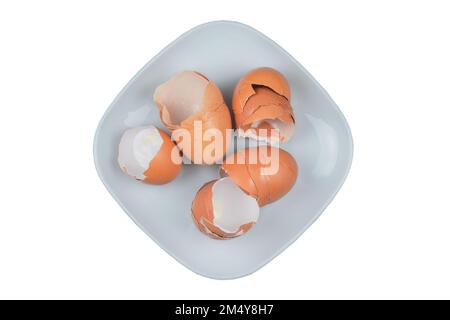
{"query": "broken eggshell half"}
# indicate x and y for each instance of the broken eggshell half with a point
(261, 100)
(222, 210)
(147, 154)
(266, 173)
(192, 106)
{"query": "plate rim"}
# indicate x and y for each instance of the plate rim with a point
(301, 230)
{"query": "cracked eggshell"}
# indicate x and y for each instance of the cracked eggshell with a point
(186, 98)
(222, 210)
(261, 100)
(249, 175)
(147, 154)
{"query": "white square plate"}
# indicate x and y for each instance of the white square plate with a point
(322, 146)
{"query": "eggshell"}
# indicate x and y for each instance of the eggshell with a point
(221, 210)
(250, 177)
(261, 99)
(147, 154)
(189, 97)
(264, 96)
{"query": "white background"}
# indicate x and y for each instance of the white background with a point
(385, 63)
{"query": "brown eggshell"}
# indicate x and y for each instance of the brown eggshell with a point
(147, 154)
(264, 188)
(163, 168)
(202, 209)
(213, 114)
(268, 112)
(203, 214)
(264, 76)
(264, 97)
(218, 118)
(262, 94)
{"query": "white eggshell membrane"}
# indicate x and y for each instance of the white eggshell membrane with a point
(232, 207)
(182, 95)
(286, 131)
(137, 149)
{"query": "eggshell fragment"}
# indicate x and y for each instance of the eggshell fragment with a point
(190, 97)
(222, 210)
(261, 100)
(254, 174)
(147, 154)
